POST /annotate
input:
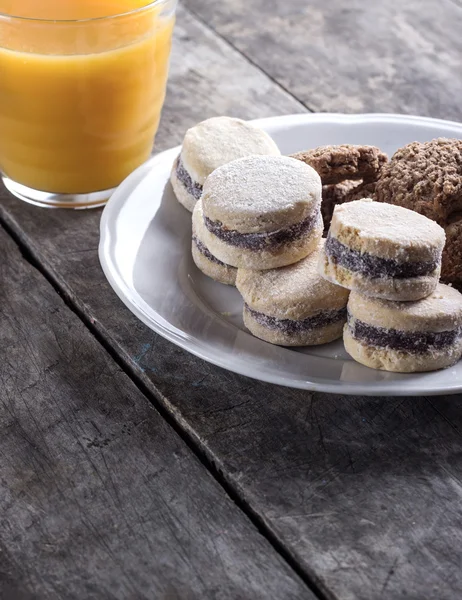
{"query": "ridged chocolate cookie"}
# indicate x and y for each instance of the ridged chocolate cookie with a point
(427, 177)
(345, 162)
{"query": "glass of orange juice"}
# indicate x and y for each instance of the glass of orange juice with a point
(82, 83)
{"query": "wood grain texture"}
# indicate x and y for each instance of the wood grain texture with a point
(363, 493)
(209, 78)
(356, 56)
(99, 497)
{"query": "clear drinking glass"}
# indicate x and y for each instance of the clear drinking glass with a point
(80, 102)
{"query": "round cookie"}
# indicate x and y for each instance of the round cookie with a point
(451, 269)
(293, 305)
(383, 251)
(205, 261)
(405, 337)
(346, 162)
(427, 177)
(210, 145)
(262, 212)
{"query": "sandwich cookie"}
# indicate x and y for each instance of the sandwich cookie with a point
(405, 337)
(294, 305)
(210, 145)
(205, 261)
(383, 251)
(262, 212)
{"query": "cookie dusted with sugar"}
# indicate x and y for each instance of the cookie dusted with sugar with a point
(294, 305)
(405, 337)
(383, 251)
(205, 261)
(210, 145)
(262, 212)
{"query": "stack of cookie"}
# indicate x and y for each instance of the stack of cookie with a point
(262, 216)
(399, 317)
(206, 147)
(257, 224)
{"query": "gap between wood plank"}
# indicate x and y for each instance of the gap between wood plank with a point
(30, 254)
(204, 23)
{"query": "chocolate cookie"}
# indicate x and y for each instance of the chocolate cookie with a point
(427, 177)
(339, 163)
(451, 270)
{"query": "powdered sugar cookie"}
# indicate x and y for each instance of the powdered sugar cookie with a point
(293, 305)
(210, 145)
(405, 337)
(383, 251)
(262, 212)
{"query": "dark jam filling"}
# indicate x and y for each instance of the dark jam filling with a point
(261, 241)
(206, 252)
(374, 266)
(409, 341)
(291, 327)
(193, 188)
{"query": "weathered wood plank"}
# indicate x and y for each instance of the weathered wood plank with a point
(363, 493)
(208, 78)
(355, 56)
(99, 497)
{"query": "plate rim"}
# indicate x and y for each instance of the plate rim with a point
(122, 290)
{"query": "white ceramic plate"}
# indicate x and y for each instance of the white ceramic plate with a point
(145, 254)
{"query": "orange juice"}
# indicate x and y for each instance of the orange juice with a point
(80, 94)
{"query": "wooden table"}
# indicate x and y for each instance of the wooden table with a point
(130, 469)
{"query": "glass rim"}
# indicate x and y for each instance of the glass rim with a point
(88, 20)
